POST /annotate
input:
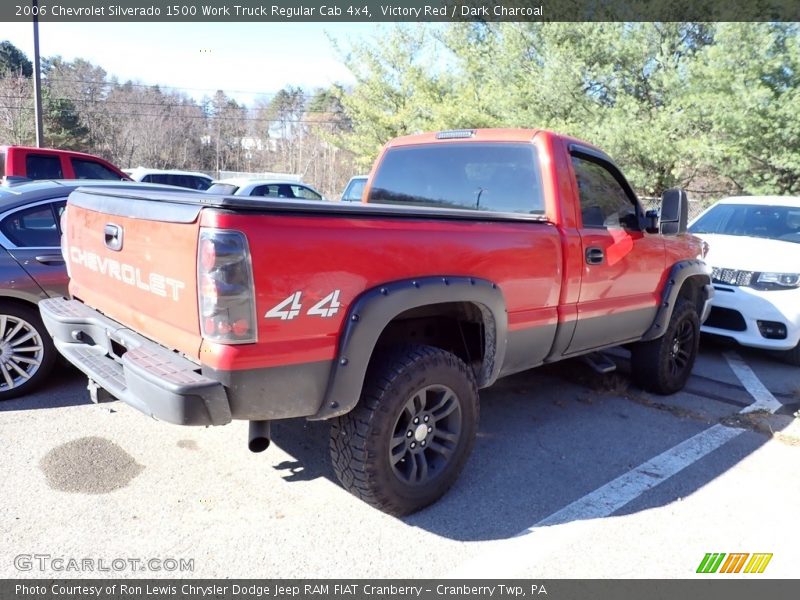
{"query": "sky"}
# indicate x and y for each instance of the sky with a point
(245, 60)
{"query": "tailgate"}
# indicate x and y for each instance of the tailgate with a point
(135, 260)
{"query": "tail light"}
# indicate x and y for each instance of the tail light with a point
(225, 292)
(64, 248)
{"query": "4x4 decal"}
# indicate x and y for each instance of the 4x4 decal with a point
(291, 307)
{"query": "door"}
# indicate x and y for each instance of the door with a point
(622, 265)
(31, 235)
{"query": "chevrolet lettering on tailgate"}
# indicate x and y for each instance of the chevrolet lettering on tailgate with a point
(155, 283)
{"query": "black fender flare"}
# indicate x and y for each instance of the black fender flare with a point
(681, 272)
(374, 309)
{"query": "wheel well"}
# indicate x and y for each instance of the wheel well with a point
(691, 290)
(6, 300)
(457, 327)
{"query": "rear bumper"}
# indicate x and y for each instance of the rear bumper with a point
(171, 388)
(147, 376)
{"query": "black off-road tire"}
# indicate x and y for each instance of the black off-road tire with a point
(25, 346)
(385, 457)
(663, 365)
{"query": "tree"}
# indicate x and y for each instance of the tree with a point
(227, 127)
(16, 96)
(398, 87)
(743, 99)
(615, 84)
(81, 88)
(327, 164)
(13, 61)
(281, 119)
(62, 123)
(16, 110)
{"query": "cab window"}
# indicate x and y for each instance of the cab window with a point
(42, 166)
(605, 203)
(89, 169)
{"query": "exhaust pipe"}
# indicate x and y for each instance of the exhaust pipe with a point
(259, 436)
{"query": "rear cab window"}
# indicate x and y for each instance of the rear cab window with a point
(491, 177)
(2, 164)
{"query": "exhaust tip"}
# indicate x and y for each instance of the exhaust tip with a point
(258, 444)
(259, 436)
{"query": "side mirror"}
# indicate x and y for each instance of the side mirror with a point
(674, 212)
(651, 220)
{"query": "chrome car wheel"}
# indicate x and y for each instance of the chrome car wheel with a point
(21, 352)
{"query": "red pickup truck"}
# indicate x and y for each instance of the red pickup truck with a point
(50, 163)
(476, 254)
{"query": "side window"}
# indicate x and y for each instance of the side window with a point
(171, 179)
(305, 193)
(33, 227)
(88, 169)
(41, 166)
(285, 191)
(604, 202)
(197, 183)
(354, 190)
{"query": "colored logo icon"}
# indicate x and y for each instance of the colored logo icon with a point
(741, 562)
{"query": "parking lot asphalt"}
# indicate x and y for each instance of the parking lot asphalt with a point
(574, 474)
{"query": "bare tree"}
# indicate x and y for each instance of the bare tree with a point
(16, 110)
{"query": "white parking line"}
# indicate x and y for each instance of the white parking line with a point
(764, 400)
(527, 546)
(510, 557)
(617, 493)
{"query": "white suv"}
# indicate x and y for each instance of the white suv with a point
(186, 179)
(754, 251)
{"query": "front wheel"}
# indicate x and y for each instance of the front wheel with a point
(408, 438)
(663, 365)
(27, 354)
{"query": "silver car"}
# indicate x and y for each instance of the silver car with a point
(32, 269)
(266, 188)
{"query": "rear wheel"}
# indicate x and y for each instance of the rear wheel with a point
(27, 354)
(407, 440)
(663, 365)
